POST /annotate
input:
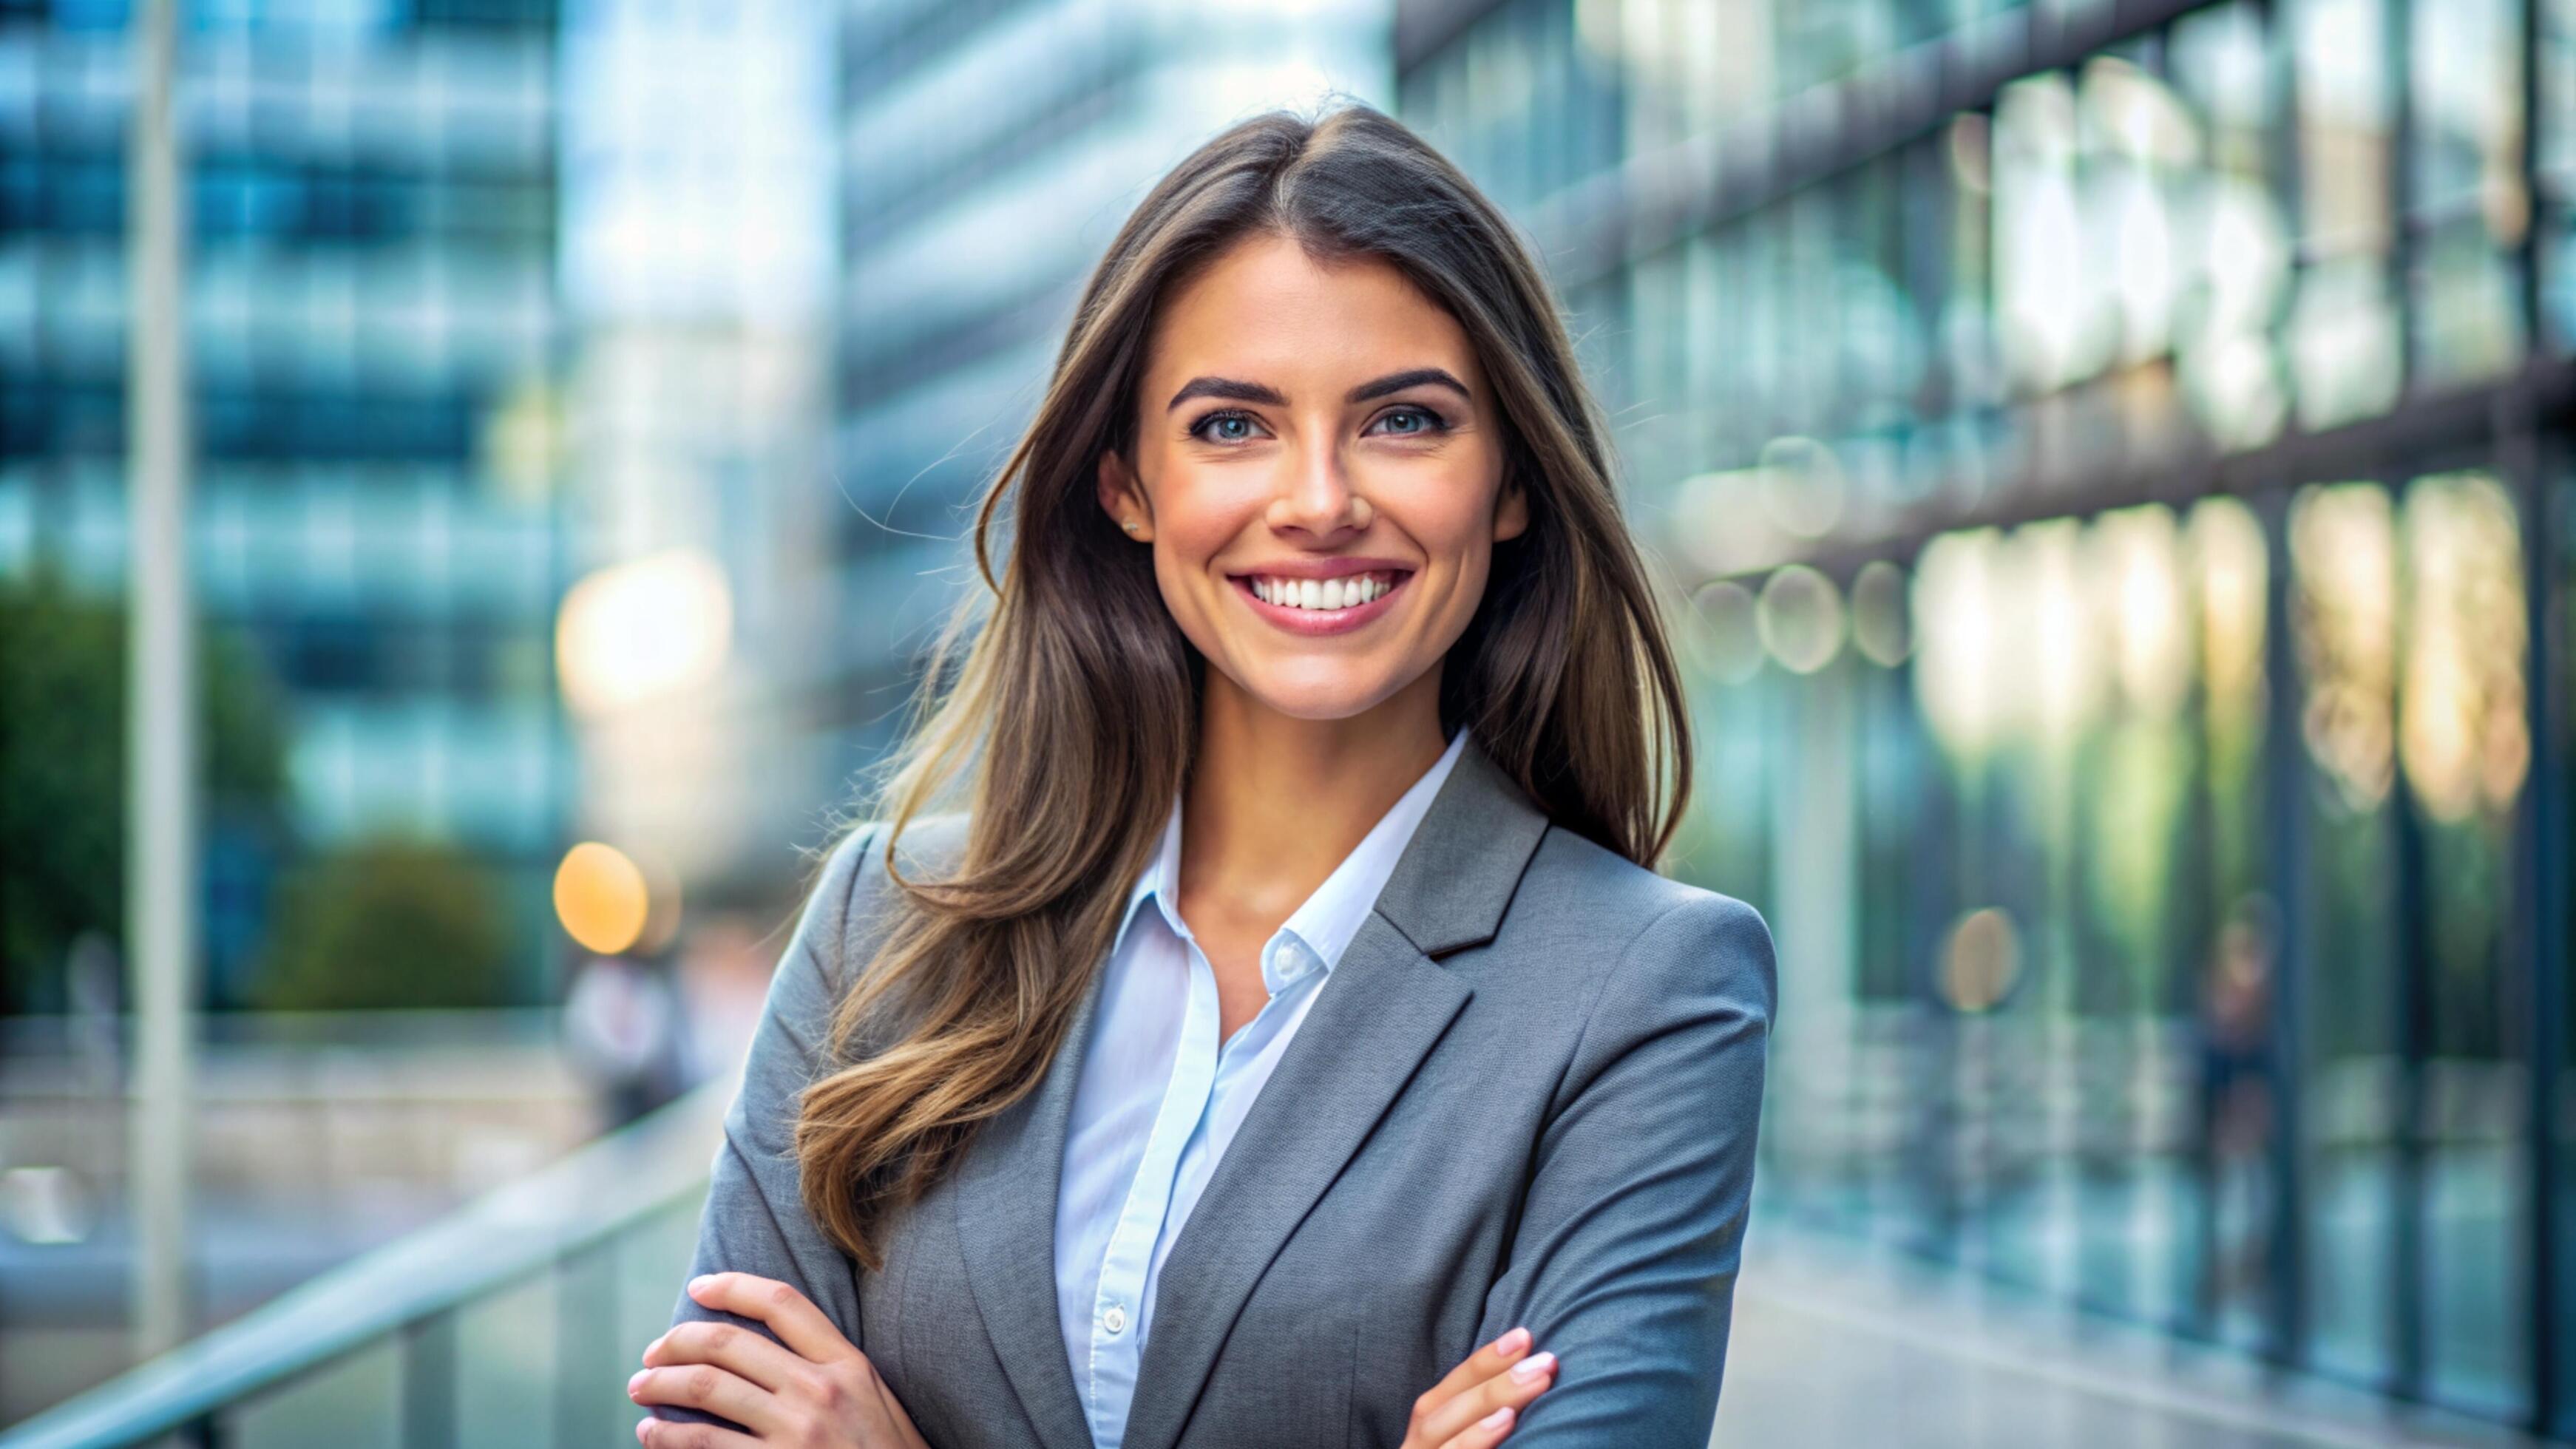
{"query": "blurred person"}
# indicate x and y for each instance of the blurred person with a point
(725, 964)
(622, 1028)
(2236, 1103)
(1289, 1041)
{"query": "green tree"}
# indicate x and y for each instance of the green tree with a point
(62, 769)
(387, 923)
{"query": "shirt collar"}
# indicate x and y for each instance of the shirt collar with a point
(1328, 919)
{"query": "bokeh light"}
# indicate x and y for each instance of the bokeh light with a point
(601, 898)
(1722, 633)
(2460, 709)
(1801, 619)
(2226, 547)
(1957, 603)
(635, 632)
(2343, 545)
(1980, 961)
(1882, 629)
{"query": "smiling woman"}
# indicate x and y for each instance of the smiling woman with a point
(1250, 1013)
(1263, 501)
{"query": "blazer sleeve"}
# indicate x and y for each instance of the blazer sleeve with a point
(754, 1220)
(1624, 1261)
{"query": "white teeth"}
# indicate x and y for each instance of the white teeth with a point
(1339, 593)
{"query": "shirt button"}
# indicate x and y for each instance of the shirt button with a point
(1284, 958)
(1115, 1320)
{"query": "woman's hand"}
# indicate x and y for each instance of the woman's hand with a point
(1480, 1400)
(818, 1392)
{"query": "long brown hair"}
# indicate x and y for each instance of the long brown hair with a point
(1072, 716)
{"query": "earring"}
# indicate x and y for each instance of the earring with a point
(1130, 525)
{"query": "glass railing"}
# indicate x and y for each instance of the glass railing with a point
(515, 1321)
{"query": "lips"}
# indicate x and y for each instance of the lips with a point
(1329, 592)
(1312, 622)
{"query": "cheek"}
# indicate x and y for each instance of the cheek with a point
(1198, 511)
(1447, 516)
(1197, 517)
(1451, 492)
(1458, 527)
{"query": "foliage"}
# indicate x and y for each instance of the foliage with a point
(62, 769)
(387, 923)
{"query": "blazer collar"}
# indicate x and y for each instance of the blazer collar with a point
(1457, 875)
(1326, 920)
(1375, 1018)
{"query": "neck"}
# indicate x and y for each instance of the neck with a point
(1275, 802)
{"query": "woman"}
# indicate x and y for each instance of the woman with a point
(1288, 1042)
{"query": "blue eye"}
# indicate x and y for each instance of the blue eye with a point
(1227, 415)
(1230, 425)
(1427, 420)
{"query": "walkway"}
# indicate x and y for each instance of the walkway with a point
(1837, 1343)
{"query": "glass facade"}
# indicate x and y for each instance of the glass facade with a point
(696, 260)
(2119, 460)
(371, 325)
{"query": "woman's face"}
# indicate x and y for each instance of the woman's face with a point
(1318, 470)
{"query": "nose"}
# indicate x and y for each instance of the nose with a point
(1315, 496)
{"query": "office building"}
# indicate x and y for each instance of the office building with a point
(374, 339)
(2118, 458)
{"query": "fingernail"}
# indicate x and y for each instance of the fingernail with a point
(657, 1343)
(1512, 1342)
(700, 1281)
(1496, 1419)
(1533, 1368)
(638, 1379)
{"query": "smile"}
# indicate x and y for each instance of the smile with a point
(1321, 606)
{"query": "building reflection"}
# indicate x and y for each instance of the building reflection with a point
(2118, 458)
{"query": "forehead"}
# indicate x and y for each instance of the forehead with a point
(1266, 311)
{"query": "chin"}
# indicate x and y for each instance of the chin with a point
(1333, 697)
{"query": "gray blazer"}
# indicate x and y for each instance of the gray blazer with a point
(1527, 1094)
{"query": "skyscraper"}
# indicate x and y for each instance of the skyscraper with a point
(374, 336)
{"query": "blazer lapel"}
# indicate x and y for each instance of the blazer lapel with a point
(1385, 1005)
(1006, 1191)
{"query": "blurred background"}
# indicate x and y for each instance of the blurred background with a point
(475, 476)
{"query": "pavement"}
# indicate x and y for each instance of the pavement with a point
(1841, 1342)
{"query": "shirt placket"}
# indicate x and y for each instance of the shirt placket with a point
(1284, 961)
(1116, 1326)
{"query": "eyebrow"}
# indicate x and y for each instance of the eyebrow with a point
(1227, 387)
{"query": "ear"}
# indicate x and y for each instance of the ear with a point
(1511, 511)
(1122, 497)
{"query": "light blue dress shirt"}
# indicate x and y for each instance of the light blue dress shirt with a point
(1159, 1097)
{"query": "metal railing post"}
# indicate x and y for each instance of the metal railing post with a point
(429, 1382)
(160, 698)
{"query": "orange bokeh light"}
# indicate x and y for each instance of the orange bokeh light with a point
(601, 898)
